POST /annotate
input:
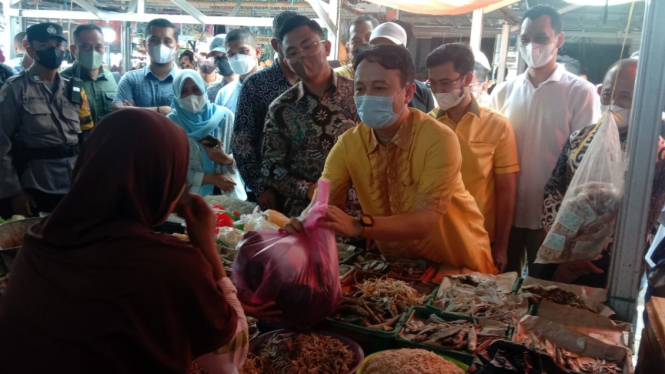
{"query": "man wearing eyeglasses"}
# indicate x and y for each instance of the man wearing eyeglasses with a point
(406, 169)
(304, 123)
(544, 105)
(489, 153)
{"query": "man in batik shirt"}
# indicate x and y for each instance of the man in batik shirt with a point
(617, 98)
(304, 123)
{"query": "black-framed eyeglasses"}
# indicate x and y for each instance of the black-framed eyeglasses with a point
(310, 50)
(444, 85)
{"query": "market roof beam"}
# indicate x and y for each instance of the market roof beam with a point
(563, 10)
(235, 9)
(321, 12)
(499, 5)
(89, 7)
(189, 9)
(179, 18)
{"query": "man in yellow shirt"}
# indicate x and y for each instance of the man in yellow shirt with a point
(406, 169)
(359, 32)
(487, 141)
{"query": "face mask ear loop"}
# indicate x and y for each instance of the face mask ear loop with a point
(407, 104)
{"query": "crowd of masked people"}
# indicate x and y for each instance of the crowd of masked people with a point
(441, 171)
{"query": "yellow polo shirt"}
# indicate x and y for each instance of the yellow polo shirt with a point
(488, 148)
(418, 170)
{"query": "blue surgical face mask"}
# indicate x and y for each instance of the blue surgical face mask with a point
(377, 111)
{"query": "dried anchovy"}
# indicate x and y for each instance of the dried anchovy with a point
(307, 353)
(388, 287)
(556, 295)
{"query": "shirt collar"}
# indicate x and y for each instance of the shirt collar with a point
(33, 75)
(474, 108)
(148, 70)
(104, 74)
(555, 77)
(302, 90)
(402, 139)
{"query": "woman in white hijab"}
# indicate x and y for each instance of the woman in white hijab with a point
(209, 128)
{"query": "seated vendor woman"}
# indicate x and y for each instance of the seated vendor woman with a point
(406, 169)
(95, 290)
(616, 97)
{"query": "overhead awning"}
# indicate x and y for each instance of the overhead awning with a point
(439, 7)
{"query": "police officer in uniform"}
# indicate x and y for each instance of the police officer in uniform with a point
(41, 117)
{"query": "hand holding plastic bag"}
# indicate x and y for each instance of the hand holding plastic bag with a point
(585, 221)
(299, 272)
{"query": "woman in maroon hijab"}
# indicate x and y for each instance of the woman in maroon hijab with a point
(95, 290)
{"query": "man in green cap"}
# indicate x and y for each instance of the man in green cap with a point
(99, 83)
(41, 117)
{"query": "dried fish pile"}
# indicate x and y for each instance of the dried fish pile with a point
(556, 295)
(481, 299)
(569, 360)
(388, 287)
(410, 361)
(345, 270)
(455, 335)
(256, 365)
(344, 251)
(378, 303)
(227, 255)
(299, 354)
(403, 268)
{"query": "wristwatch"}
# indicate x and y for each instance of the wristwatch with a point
(367, 223)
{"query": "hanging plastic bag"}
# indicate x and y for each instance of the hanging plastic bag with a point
(585, 221)
(299, 272)
(238, 192)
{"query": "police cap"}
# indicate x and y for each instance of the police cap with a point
(44, 31)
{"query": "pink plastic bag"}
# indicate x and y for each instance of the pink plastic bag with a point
(299, 272)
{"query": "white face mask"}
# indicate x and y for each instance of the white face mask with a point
(622, 124)
(537, 55)
(193, 103)
(450, 99)
(161, 54)
(242, 64)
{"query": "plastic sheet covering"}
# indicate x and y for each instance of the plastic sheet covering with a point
(436, 7)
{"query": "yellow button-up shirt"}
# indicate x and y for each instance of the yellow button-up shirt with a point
(488, 148)
(418, 170)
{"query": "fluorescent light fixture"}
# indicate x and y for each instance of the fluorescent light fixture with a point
(109, 34)
(598, 2)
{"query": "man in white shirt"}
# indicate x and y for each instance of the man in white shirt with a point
(544, 105)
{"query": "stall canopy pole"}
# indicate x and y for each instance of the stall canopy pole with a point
(126, 46)
(331, 21)
(335, 17)
(503, 53)
(476, 29)
(7, 40)
(629, 240)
